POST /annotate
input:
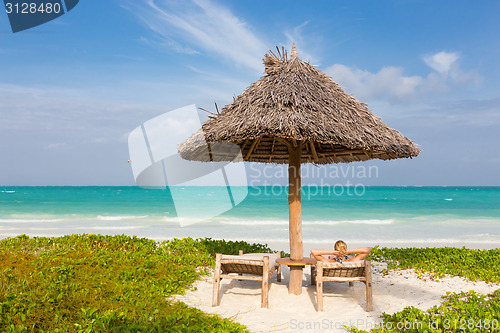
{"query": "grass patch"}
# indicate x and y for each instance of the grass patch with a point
(460, 312)
(96, 283)
(475, 265)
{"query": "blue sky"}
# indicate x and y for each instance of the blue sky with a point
(72, 90)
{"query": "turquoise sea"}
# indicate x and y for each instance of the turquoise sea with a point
(387, 216)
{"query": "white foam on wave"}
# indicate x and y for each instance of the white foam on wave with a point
(111, 228)
(186, 220)
(5, 191)
(255, 222)
(120, 217)
(33, 220)
(431, 241)
(306, 223)
(402, 242)
(373, 221)
(448, 199)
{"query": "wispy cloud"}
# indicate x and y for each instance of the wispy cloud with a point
(296, 35)
(201, 26)
(58, 146)
(442, 62)
(67, 113)
(391, 83)
(446, 64)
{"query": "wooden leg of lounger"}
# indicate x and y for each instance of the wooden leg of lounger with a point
(278, 277)
(265, 283)
(369, 296)
(240, 253)
(313, 272)
(215, 296)
(319, 287)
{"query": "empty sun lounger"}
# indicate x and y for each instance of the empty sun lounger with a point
(256, 266)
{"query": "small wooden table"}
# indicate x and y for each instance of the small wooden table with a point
(296, 265)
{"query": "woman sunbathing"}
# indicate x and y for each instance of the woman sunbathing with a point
(341, 253)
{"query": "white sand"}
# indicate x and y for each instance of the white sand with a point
(343, 305)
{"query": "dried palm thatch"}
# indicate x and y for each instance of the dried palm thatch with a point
(297, 104)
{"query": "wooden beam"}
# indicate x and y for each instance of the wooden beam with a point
(313, 150)
(252, 147)
(285, 142)
(244, 144)
(210, 152)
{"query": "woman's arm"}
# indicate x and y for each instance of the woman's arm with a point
(318, 255)
(361, 251)
(323, 252)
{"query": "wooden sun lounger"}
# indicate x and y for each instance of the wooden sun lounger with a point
(342, 272)
(257, 266)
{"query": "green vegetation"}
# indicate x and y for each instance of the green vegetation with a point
(483, 265)
(462, 312)
(95, 283)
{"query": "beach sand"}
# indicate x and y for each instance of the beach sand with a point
(343, 305)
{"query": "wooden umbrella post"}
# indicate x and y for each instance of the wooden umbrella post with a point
(295, 218)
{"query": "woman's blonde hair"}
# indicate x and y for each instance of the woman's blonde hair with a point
(340, 246)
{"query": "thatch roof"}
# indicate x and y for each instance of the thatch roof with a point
(295, 103)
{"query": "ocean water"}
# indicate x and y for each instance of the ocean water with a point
(386, 216)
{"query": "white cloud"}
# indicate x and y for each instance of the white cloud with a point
(392, 84)
(202, 25)
(442, 62)
(57, 146)
(388, 82)
(302, 43)
(446, 64)
(60, 112)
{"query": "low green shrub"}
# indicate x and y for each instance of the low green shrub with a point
(460, 312)
(473, 264)
(96, 283)
(232, 247)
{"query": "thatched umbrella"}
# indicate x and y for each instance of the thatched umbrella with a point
(296, 114)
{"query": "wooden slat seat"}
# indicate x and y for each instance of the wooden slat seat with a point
(356, 271)
(257, 266)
